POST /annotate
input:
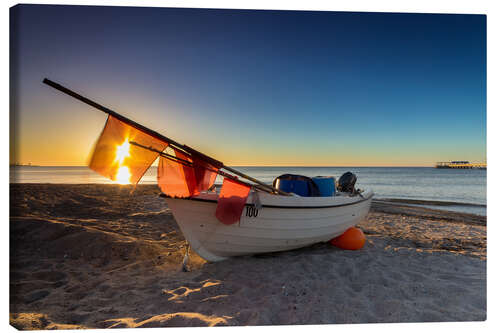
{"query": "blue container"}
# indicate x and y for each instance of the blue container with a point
(326, 185)
(295, 186)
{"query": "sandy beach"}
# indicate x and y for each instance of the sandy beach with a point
(101, 256)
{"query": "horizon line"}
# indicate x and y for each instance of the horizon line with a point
(263, 166)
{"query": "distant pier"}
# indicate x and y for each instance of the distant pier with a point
(460, 165)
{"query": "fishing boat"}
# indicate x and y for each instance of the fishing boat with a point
(281, 223)
(245, 216)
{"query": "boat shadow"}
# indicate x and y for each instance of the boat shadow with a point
(318, 248)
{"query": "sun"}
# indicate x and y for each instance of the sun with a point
(123, 175)
(122, 152)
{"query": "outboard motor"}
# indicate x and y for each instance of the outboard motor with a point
(346, 182)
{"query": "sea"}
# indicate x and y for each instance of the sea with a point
(465, 189)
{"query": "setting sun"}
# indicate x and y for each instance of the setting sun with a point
(123, 175)
(122, 151)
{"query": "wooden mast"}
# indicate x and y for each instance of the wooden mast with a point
(190, 164)
(192, 151)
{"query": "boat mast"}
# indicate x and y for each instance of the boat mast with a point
(191, 151)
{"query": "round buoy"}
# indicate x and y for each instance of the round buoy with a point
(352, 239)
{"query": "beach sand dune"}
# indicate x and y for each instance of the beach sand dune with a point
(102, 256)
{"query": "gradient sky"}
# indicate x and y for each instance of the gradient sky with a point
(253, 87)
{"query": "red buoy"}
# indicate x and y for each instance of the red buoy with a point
(352, 239)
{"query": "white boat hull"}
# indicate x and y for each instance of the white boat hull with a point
(282, 223)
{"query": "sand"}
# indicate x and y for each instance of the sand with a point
(99, 256)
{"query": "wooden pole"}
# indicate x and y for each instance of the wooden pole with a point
(190, 164)
(132, 123)
(210, 160)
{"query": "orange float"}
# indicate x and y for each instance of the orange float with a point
(352, 239)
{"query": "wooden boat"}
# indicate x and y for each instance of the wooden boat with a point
(271, 219)
(281, 223)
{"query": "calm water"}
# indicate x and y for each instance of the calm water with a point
(461, 185)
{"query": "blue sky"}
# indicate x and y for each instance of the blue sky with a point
(254, 87)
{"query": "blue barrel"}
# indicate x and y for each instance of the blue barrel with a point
(326, 185)
(294, 186)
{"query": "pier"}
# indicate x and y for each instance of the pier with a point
(460, 165)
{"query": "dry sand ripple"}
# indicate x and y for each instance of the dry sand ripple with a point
(99, 256)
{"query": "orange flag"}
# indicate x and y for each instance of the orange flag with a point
(232, 199)
(179, 180)
(115, 158)
(174, 178)
(205, 175)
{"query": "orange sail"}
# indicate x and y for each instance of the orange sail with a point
(232, 199)
(115, 158)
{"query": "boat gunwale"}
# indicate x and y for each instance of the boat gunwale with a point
(283, 207)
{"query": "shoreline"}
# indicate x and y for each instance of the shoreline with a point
(101, 256)
(420, 203)
(431, 202)
(432, 213)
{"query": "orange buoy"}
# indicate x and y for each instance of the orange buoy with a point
(352, 239)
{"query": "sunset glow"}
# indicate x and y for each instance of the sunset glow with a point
(122, 152)
(123, 175)
(355, 89)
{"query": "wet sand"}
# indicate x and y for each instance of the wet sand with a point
(98, 256)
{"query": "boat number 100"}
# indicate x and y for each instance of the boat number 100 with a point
(252, 211)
